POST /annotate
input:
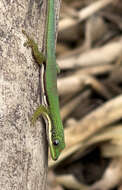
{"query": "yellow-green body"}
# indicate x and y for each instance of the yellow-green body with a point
(51, 83)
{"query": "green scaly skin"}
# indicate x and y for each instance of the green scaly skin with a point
(52, 113)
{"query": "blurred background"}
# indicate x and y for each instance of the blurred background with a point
(89, 53)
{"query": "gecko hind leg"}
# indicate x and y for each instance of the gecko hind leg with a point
(41, 110)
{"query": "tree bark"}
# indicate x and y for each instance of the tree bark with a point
(23, 148)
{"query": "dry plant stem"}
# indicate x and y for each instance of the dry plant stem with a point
(112, 176)
(67, 98)
(96, 85)
(96, 70)
(95, 121)
(93, 34)
(107, 134)
(113, 87)
(68, 11)
(84, 14)
(110, 149)
(116, 74)
(71, 84)
(77, 82)
(106, 137)
(115, 78)
(93, 8)
(72, 52)
(113, 17)
(69, 107)
(98, 56)
(69, 182)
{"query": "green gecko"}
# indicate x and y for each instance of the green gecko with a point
(52, 112)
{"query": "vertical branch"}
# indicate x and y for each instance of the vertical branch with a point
(23, 148)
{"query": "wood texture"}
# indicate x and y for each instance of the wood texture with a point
(23, 148)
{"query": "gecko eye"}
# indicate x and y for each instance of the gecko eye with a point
(56, 142)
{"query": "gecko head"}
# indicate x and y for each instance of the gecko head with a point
(56, 148)
(56, 139)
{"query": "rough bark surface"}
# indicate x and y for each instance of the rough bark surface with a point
(23, 148)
